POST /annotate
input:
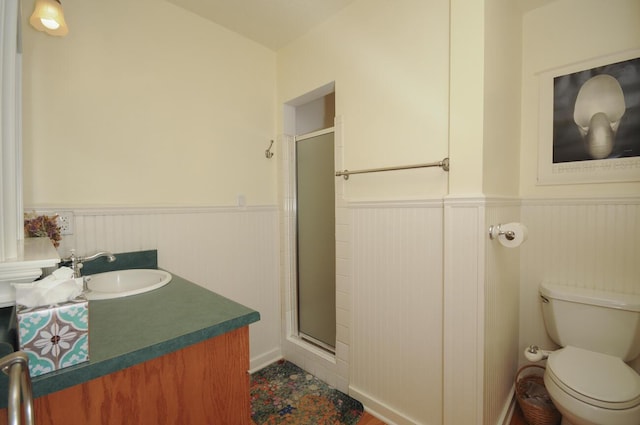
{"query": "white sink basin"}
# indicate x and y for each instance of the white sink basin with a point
(123, 283)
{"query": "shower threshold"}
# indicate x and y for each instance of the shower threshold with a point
(322, 345)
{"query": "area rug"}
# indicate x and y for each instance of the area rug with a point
(282, 393)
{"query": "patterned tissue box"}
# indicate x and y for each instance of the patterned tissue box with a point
(55, 336)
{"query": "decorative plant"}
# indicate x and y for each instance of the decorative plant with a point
(42, 225)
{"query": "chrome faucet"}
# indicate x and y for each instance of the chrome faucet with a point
(78, 262)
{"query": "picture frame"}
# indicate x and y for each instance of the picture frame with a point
(589, 128)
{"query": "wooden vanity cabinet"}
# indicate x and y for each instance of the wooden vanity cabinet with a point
(202, 384)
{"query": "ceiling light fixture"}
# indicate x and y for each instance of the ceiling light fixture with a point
(48, 17)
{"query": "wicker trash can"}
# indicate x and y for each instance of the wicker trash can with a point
(533, 398)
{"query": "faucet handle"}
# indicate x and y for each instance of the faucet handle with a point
(76, 262)
(71, 258)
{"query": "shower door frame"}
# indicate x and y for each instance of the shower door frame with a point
(292, 333)
(335, 367)
(296, 277)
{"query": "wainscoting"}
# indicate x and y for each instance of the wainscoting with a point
(590, 243)
(232, 251)
(501, 295)
(419, 351)
(397, 339)
(481, 283)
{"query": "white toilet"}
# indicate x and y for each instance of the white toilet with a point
(588, 379)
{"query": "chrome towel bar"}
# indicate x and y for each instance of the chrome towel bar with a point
(444, 164)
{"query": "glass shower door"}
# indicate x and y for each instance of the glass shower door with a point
(315, 178)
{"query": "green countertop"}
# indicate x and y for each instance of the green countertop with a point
(127, 331)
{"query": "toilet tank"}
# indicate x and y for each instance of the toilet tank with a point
(605, 322)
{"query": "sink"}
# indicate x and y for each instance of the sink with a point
(123, 283)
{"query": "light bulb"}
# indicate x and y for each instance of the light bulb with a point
(52, 24)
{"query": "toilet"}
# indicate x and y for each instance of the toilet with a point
(588, 379)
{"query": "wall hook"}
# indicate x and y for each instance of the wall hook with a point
(268, 152)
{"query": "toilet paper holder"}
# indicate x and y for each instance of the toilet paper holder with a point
(495, 231)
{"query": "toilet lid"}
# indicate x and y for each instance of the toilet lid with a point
(596, 378)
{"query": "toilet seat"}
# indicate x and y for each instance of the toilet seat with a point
(598, 379)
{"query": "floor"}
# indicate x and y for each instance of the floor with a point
(368, 419)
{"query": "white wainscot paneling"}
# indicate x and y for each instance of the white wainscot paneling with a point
(396, 350)
(463, 311)
(502, 299)
(481, 287)
(591, 243)
(231, 251)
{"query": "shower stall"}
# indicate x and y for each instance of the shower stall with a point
(315, 238)
(315, 316)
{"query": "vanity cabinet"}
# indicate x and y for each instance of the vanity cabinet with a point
(178, 355)
(204, 383)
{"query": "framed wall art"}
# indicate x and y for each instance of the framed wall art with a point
(590, 121)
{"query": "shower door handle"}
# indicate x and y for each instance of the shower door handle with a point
(16, 365)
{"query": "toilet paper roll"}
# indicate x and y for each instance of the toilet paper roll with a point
(519, 234)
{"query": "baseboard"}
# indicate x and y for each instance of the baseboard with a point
(508, 409)
(379, 416)
(391, 416)
(264, 360)
(380, 410)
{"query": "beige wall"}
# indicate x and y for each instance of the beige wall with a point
(144, 103)
(485, 97)
(501, 132)
(466, 97)
(563, 33)
(389, 61)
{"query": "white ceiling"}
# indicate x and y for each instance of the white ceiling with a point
(272, 23)
(275, 23)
